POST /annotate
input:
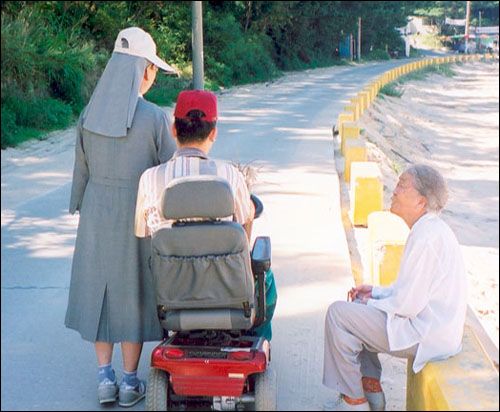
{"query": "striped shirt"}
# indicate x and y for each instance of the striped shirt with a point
(185, 162)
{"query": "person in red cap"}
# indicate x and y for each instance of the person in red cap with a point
(195, 131)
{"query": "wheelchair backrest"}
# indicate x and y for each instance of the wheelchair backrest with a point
(200, 262)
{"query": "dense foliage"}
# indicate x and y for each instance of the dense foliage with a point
(437, 11)
(54, 52)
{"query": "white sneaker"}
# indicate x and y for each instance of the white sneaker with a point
(341, 405)
(376, 400)
(107, 391)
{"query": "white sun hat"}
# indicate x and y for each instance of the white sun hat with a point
(136, 42)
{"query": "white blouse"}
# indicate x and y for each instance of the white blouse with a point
(427, 302)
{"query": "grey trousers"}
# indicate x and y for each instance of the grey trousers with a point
(354, 335)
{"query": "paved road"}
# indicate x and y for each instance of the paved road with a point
(284, 129)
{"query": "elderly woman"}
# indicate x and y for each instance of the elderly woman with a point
(119, 135)
(421, 315)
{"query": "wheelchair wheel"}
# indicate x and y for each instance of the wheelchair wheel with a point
(266, 391)
(157, 391)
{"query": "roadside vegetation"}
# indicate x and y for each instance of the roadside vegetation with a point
(395, 89)
(53, 53)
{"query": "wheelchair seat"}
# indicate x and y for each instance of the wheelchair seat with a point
(201, 263)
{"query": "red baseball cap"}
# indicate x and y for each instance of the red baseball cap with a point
(196, 100)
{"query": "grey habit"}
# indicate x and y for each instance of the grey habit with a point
(119, 136)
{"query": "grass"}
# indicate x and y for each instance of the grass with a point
(23, 134)
(391, 89)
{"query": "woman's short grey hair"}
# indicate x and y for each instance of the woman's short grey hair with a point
(431, 184)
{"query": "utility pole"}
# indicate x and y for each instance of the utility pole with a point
(359, 39)
(467, 15)
(478, 39)
(197, 28)
(351, 47)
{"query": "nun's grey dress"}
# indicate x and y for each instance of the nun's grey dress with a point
(111, 297)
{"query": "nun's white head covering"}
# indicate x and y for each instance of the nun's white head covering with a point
(112, 106)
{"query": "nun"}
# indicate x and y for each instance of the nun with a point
(119, 136)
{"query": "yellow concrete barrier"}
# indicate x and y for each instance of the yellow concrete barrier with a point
(365, 98)
(350, 130)
(353, 108)
(355, 151)
(357, 101)
(387, 236)
(373, 89)
(465, 382)
(343, 117)
(366, 189)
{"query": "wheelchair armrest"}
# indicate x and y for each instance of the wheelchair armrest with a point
(261, 255)
(259, 207)
(261, 263)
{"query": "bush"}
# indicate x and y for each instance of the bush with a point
(234, 57)
(69, 74)
(40, 113)
(391, 89)
(22, 119)
(378, 55)
(9, 127)
(47, 74)
(166, 88)
(414, 52)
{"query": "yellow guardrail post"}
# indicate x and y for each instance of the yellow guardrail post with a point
(465, 382)
(357, 101)
(355, 151)
(387, 236)
(350, 130)
(365, 99)
(353, 108)
(343, 117)
(366, 191)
